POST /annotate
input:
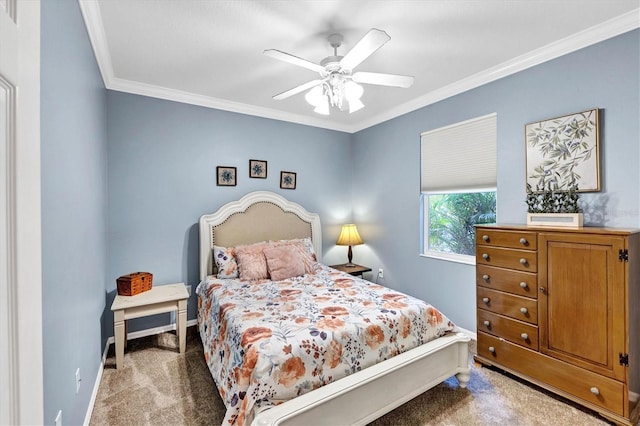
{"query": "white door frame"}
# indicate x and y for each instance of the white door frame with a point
(21, 381)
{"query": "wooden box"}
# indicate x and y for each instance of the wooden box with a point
(135, 283)
(562, 220)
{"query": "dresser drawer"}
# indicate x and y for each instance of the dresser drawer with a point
(521, 283)
(522, 260)
(514, 239)
(518, 332)
(518, 307)
(586, 385)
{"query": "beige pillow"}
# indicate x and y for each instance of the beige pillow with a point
(251, 262)
(284, 262)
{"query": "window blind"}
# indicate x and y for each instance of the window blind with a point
(461, 156)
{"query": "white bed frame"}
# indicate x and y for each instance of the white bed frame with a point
(360, 397)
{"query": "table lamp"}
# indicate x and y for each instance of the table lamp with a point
(349, 237)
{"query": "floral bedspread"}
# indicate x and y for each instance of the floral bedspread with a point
(266, 342)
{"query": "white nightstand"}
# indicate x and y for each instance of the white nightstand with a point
(164, 298)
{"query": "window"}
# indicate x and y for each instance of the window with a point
(458, 186)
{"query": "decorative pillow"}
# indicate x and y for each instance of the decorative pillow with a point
(284, 262)
(305, 251)
(251, 262)
(308, 244)
(225, 258)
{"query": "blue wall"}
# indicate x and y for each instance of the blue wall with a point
(157, 159)
(386, 197)
(74, 210)
(162, 178)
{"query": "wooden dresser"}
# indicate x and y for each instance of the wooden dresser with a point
(561, 309)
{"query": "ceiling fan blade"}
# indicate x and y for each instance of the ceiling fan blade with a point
(296, 90)
(286, 57)
(372, 41)
(383, 79)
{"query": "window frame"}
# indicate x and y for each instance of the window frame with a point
(444, 171)
(424, 242)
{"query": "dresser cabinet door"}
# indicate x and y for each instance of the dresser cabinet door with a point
(582, 300)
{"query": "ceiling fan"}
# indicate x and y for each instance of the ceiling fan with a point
(338, 84)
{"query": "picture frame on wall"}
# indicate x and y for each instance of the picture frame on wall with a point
(226, 176)
(258, 169)
(564, 151)
(287, 180)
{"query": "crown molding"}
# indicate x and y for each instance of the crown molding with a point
(165, 93)
(608, 29)
(93, 21)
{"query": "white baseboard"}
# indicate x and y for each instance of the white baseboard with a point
(110, 341)
(96, 386)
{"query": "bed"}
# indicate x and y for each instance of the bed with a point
(308, 344)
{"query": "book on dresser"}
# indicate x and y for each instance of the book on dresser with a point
(559, 307)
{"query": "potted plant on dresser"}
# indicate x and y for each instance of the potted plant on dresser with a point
(549, 206)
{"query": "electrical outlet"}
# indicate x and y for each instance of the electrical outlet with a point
(78, 380)
(380, 273)
(58, 421)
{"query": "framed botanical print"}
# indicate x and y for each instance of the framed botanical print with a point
(258, 169)
(287, 180)
(226, 176)
(564, 152)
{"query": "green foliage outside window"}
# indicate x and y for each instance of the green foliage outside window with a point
(452, 218)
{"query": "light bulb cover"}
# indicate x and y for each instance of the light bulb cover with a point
(353, 91)
(355, 105)
(314, 96)
(323, 105)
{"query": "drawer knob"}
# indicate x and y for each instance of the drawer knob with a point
(485, 238)
(523, 284)
(485, 277)
(524, 241)
(485, 256)
(487, 323)
(485, 300)
(523, 261)
(525, 311)
(543, 290)
(594, 390)
(492, 349)
(524, 336)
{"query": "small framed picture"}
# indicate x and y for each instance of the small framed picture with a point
(258, 169)
(287, 180)
(226, 176)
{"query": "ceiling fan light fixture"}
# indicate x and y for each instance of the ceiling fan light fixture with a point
(323, 106)
(353, 91)
(338, 86)
(355, 105)
(314, 96)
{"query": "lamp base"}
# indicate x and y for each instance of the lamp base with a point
(350, 264)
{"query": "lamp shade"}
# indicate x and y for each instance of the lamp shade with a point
(349, 236)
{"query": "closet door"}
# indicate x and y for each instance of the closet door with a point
(582, 300)
(21, 400)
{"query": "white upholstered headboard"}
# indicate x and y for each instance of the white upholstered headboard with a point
(258, 216)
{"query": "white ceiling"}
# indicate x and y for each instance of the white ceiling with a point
(209, 52)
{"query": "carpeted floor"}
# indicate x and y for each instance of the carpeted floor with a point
(159, 386)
